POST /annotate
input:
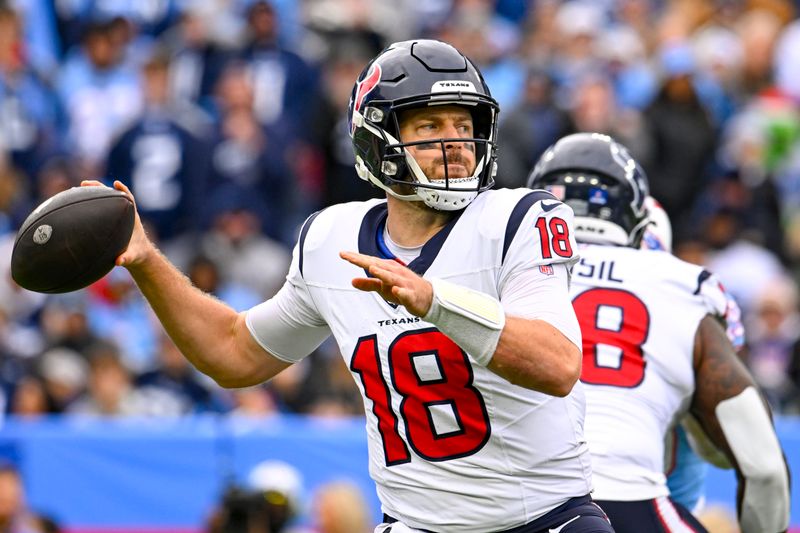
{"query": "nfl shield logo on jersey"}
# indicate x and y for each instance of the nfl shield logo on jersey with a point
(546, 270)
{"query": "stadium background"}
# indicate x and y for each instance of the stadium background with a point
(228, 119)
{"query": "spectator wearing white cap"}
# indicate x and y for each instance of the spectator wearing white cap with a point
(266, 503)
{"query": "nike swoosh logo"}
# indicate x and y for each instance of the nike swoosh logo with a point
(562, 526)
(549, 207)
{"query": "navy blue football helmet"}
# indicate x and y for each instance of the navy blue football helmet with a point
(413, 74)
(601, 182)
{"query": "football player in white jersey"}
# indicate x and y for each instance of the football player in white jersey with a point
(686, 470)
(449, 303)
(653, 350)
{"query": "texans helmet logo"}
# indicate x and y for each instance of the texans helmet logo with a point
(364, 87)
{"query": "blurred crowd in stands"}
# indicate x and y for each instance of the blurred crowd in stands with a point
(228, 119)
(273, 498)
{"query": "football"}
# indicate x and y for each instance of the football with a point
(72, 239)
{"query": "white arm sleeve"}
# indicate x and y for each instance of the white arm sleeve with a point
(748, 429)
(534, 294)
(288, 325)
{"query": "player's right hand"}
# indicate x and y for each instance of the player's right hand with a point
(394, 282)
(139, 247)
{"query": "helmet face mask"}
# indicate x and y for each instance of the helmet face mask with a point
(413, 75)
(603, 185)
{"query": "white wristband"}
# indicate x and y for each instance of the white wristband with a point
(471, 319)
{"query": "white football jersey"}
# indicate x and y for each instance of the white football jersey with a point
(452, 446)
(639, 311)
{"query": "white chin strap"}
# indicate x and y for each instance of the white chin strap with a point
(452, 199)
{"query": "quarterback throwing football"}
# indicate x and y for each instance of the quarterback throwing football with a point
(449, 303)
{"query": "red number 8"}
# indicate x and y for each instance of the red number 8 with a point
(629, 336)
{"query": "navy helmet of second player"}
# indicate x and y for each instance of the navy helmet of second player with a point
(601, 182)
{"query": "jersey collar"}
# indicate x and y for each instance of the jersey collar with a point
(370, 239)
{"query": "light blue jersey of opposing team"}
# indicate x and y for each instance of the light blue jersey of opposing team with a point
(453, 447)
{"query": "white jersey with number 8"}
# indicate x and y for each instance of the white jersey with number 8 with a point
(639, 311)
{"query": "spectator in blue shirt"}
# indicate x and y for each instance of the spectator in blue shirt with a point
(100, 94)
(163, 156)
(29, 114)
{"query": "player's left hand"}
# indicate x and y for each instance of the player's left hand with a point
(140, 247)
(393, 281)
